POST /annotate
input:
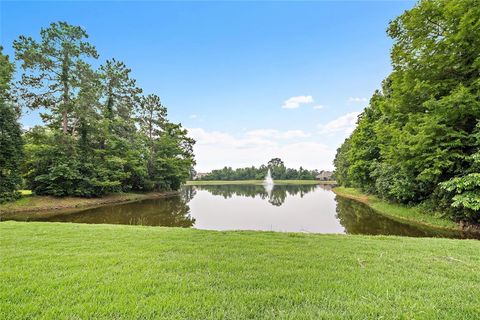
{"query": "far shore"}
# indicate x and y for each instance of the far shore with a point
(42, 204)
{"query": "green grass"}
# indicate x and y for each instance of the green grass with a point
(72, 271)
(26, 192)
(400, 212)
(283, 182)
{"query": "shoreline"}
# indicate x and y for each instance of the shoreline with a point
(409, 215)
(46, 204)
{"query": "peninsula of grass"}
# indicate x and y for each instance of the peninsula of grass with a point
(412, 215)
(32, 203)
(75, 271)
(258, 182)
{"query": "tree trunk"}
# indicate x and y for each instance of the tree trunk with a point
(66, 98)
(64, 121)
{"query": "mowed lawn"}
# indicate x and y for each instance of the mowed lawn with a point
(73, 271)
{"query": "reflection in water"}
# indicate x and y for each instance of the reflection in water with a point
(358, 218)
(275, 196)
(295, 208)
(170, 212)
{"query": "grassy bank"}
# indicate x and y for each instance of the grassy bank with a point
(46, 203)
(282, 182)
(399, 212)
(59, 271)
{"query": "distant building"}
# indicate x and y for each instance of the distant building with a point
(325, 175)
(199, 175)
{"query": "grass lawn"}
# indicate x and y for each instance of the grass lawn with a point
(26, 192)
(29, 202)
(283, 182)
(397, 211)
(73, 271)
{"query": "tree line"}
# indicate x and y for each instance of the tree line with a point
(277, 168)
(418, 141)
(100, 134)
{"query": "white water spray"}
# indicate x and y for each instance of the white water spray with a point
(268, 182)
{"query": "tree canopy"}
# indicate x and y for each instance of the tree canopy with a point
(100, 134)
(418, 139)
(11, 152)
(276, 166)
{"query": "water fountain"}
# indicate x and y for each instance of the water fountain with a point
(268, 182)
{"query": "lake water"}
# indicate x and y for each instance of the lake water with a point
(287, 208)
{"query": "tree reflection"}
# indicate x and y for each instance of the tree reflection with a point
(170, 212)
(277, 197)
(358, 218)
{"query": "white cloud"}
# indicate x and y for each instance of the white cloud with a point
(216, 149)
(276, 134)
(345, 124)
(290, 134)
(193, 116)
(318, 107)
(357, 100)
(295, 102)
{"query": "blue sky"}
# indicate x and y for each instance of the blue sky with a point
(251, 80)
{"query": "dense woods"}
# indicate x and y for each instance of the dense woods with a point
(278, 171)
(100, 134)
(418, 141)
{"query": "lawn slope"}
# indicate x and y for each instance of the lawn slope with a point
(58, 271)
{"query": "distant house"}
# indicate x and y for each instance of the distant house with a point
(199, 175)
(324, 175)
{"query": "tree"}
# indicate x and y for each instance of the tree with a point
(11, 151)
(152, 116)
(93, 143)
(275, 162)
(416, 140)
(121, 93)
(51, 70)
(173, 157)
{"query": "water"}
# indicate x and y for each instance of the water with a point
(293, 208)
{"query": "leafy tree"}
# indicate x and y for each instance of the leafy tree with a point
(94, 142)
(466, 188)
(276, 165)
(416, 140)
(174, 158)
(11, 153)
(275, 162)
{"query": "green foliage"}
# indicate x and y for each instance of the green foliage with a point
(11, 154)
(97, 138)
(466, 189)
(276, 166)
(420, 130)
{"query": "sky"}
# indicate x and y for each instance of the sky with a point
(250, 80)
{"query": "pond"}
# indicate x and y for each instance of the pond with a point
(286, 208)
